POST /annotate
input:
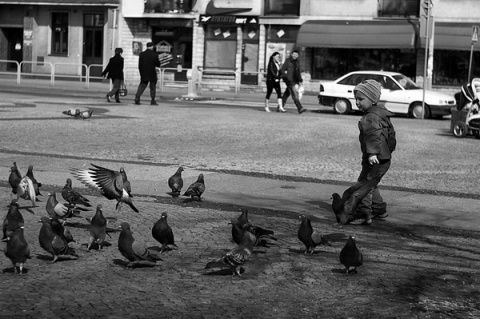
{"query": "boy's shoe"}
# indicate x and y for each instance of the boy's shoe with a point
(137, 101)
(153, 102)
(380, 216)
(361, 221)
(302, 110)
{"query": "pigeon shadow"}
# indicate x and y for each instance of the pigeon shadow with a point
(173, 195)
(191, 200)
(59, 259)
(12, 270)
(96, 246)
(223, 272)
(134, 264)
(158, 249)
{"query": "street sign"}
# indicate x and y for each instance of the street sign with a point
(475, 34)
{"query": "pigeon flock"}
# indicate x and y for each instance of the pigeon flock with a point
(54, 237)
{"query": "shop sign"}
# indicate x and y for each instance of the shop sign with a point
(206, 19)
(163, 46)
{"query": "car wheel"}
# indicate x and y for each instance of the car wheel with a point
(416, 111)
(341, 106)
(460, 129)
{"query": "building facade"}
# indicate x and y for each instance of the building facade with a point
(228, 42)
(68, 36)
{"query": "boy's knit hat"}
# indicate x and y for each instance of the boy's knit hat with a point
(371, 89)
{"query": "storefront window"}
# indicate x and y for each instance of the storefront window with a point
(59, 33)
(282, 7)
(451, 67)
(220, 46)
(329, 64)
(398, 8)
(168, 6)
(281, 39)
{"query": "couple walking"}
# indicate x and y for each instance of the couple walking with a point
(290, 73)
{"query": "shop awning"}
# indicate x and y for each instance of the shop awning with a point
(114, 3)
(452, 36)
(357, 34)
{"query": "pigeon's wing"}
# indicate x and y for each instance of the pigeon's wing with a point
(141, 252)
(317, 239)
(237, 256)
(108, 182)
(60, 210)
(26, 190)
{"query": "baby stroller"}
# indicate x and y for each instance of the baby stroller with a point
(466, 119)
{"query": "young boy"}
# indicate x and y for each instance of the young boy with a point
(377, 142)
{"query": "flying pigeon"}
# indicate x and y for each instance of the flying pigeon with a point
(14, 178)
(73, 197)
(13, 220)
(36, 185)
(98, 228)
(236, 257)
(111, 184)
(162, 232)
(17, 249)
(55, 209)
(175, 182)
(196, 189)
(54, 244)
(350, 256)
(309, 237)
(72, 112)
(133, 250)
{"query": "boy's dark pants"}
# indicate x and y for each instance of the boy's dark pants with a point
(366, 199)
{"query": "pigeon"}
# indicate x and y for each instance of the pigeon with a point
(133, 250)
(59, 229)
(98, 229)
(55, 209)
(238, 230)
(14, 178)
(26, 190)
(256, 230)
(344, 207)
(162, 232)
(236, 257)
(196, 189)
(36, 185)
(73, 197)
(85, 114)
(350, 256)
(13, 220)
(175, 182)
(111, 184)
(309, 237)
(17, 249)
(54, 244)
(72, 112)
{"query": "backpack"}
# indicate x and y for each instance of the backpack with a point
(389, 132)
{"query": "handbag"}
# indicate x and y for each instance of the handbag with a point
(123, 89)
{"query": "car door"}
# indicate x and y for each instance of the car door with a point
(395, 98)
(347, 86)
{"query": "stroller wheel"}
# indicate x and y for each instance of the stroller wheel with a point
(460, 129)
(476, 133)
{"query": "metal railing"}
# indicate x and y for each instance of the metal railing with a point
(51, 75)
(236, 75)
(17, 74)
(79, 76)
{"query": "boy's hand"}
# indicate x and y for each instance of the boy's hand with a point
(372, 159)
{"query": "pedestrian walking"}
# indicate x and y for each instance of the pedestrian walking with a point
(291, 76)
(114, 71)
(273, 82)
(147, 63)
(377, 142)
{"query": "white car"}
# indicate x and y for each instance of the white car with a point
(400, 95)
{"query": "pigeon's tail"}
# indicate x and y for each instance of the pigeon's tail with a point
(133, 207)
(219, 263)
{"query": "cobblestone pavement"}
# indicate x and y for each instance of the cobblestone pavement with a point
(409, 271)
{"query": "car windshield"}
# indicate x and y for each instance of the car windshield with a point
(405, 82)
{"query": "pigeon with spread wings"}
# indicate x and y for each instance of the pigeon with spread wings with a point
(111, 184)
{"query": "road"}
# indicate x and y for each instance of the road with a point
(420, 263)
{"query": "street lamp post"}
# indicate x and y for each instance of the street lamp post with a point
(427, 7)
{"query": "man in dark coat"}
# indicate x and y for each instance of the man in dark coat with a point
(114, 70)
(147, 64)
(291, 75)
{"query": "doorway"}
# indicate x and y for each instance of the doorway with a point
(93, 24)
(250, 47)
(14, 37)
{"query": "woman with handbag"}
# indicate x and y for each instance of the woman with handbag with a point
(273, 81)
(114, 70)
